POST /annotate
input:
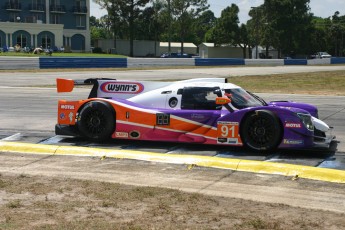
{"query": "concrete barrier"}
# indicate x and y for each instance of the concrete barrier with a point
(19, 63)
(264, 62)
(61, 62)
(218, 61)
(340, 60)
(325, 61)
(295, 62)
(147, 62)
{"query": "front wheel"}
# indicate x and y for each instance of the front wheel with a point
(261, 131)
(96, 121)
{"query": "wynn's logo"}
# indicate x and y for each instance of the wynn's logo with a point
(122, 87)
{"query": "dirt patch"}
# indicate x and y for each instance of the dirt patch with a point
(29, 202)
(56, 192)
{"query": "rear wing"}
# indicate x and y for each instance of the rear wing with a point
(67, 85)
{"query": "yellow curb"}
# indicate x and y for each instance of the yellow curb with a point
(18, 147)
(307, 172)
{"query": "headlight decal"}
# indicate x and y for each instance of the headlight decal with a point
(306, 120)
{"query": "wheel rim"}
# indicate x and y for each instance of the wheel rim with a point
(95, 122)
(261, 131)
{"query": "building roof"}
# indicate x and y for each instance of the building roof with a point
(212, 45)
(207, 44)
(177, 44)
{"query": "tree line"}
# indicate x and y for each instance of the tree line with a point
(288, 26)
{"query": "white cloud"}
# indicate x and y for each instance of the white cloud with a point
(95, 10)
(326, 8)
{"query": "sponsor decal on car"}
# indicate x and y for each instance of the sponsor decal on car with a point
(293, 125)
(197, 116)
(62, 116)
(233, 141)
(122, 87)
(293, 142)
(121, 134)
(67, 107)
(67, 112)
(71, 116)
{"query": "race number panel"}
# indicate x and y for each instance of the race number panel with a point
(228, 133)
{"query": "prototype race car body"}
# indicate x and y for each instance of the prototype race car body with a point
(204, 111)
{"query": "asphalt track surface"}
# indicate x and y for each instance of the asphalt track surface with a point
(28, 114)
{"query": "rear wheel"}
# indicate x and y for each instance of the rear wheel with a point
(96, 121)
(261, 131)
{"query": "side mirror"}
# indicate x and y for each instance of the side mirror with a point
(222, 101)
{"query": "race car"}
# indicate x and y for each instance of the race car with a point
(203, 111)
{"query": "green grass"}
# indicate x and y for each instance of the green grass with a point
(316, 83)
(21, 54)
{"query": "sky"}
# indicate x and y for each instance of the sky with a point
(320, 8)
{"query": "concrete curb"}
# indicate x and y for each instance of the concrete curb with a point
(307, 172)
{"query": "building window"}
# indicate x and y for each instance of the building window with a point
(55, 6)
(80, 7)
(46, 41)
(21, 40)
(14, 17)
(80, 3)
(55, 19)
(37, 2)
(37, 16)
(55, 2)
(37, 5)
(13, 4)
(33, 18)
(81, 20)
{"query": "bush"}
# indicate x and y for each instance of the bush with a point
(97, 50)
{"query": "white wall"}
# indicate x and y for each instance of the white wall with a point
(140, 48)
(222, 52)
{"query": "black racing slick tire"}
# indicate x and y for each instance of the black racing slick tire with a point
(96, 121)
(261, 131)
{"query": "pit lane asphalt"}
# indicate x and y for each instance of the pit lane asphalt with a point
(27, 113)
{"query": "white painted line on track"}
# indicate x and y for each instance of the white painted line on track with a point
(52, 140)
(14, 137)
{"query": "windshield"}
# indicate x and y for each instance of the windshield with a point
(241, 99)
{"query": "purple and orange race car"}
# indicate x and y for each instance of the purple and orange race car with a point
(202, 111)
